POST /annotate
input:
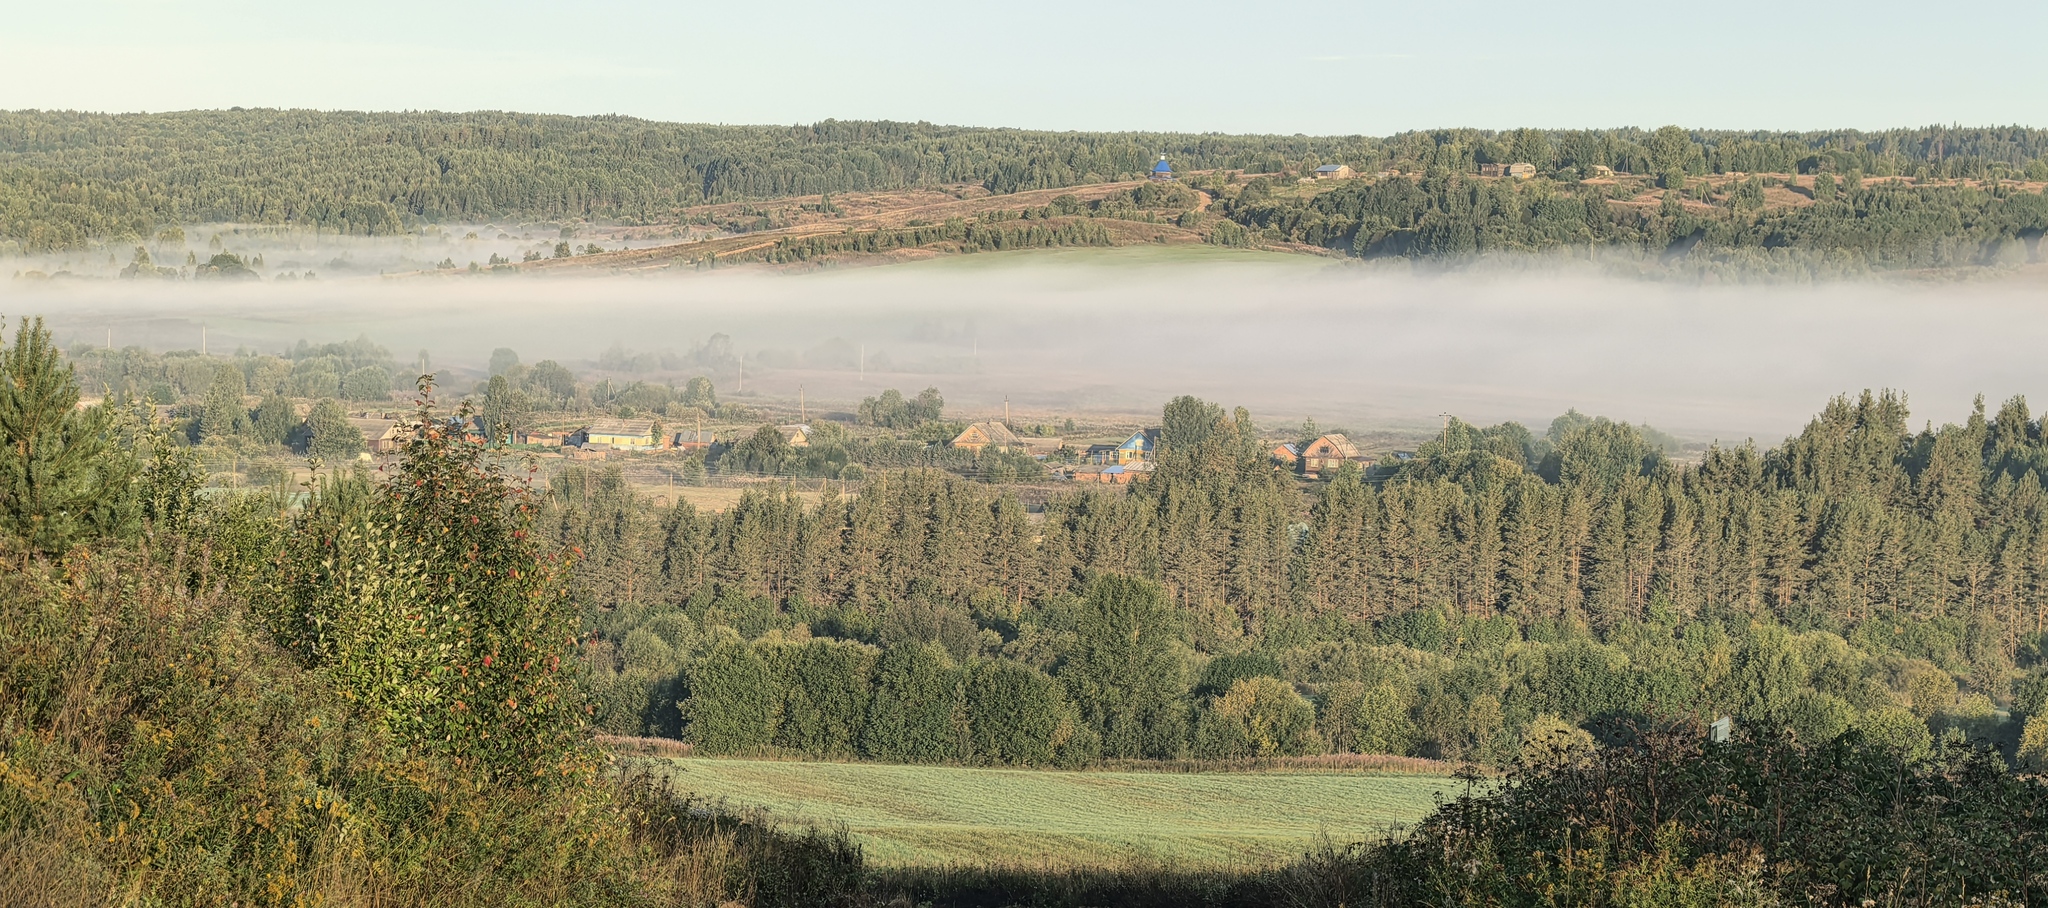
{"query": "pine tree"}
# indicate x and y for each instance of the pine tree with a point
(62, 479)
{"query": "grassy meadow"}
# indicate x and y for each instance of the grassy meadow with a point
(926, 816)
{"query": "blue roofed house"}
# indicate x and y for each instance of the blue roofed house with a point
(1162, 171)
(1136, 449)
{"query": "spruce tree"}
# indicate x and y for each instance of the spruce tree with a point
(62, 478)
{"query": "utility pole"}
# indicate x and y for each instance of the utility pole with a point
(1006, 409)
(1447, 427)
(803, 412)
(202, 340)
(863, 362)
(743, 376)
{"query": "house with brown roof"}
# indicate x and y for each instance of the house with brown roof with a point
(989, 434)
(798, 436)
(1328, 452)
(381, 436)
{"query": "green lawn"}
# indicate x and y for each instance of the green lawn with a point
(927, 815)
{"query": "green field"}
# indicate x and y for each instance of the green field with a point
(930, 815)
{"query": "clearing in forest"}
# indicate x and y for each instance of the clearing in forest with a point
(928, 816)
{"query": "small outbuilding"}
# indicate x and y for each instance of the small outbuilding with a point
(1334, 172)
(1162, 172)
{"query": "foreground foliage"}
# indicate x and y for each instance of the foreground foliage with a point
(227, 703)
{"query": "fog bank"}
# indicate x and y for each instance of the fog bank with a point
(1120, 332)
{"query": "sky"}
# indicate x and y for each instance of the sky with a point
(1194, 65)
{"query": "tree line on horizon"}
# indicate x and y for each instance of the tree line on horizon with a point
(70, 179)
(1847, 227)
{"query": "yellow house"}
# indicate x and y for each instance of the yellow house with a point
(618, 433)
(984, 435)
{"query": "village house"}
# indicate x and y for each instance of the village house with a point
(1328, 452)
(617, 434)
(1162, 172)
(989, 434)
(1334, 172)
(798, 436)
(1285, 453)
(1139, 446)
(380, 436)
(1521, 171)
(551, 439)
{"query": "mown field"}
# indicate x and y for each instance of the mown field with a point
(907, 816)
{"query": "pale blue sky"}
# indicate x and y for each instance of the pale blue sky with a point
(1356, 67)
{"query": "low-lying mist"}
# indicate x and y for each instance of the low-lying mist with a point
(1119, 332)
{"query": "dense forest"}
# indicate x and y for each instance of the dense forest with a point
(381, 689)
(1859, 577)
(70, 179)
(1843, 226)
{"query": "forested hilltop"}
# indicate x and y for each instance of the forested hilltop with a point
(1897, 198)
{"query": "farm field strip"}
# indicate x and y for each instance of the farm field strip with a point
(928, 815)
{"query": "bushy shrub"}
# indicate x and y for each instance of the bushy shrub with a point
(428, 601)
(732, 703)
(1258, 717)
(917, 711)
(1014, 713)
(825, 690)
